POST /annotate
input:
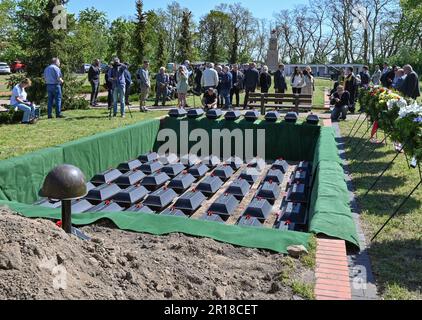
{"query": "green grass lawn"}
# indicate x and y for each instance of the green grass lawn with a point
(396, 253)
(3, 83)
(18, 139)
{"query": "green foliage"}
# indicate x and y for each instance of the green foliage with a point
(410, 56)
(185, 40)
(121, 32)
(139, 33)
(407, 130)
(91, 36)
(161, 53)
(11, 116)
(14, 79)
(214, 32)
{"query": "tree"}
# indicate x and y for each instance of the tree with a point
(120, 45)
(185, 40)
(241, 30)
(171, 21)
(214, 29)
(139, 35)
(92, 35)
(45, 42)
(161, 52)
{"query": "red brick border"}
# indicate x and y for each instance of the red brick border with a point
(332, 272)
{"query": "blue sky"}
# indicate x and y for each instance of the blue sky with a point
(126, 8)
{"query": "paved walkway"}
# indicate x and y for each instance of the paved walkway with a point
(342, 275)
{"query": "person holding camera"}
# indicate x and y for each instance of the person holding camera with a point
(340, 100)
(117, 78)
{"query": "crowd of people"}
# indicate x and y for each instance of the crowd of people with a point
(219, 85)
(345, 92)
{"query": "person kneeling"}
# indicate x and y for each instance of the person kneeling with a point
(209, 101)
(340, 101)
(18, 100)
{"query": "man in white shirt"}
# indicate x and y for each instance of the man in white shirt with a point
(209, 78)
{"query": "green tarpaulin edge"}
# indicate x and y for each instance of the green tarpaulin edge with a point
(330, 212)
(21, 178)
(251, 237)
(295, 142)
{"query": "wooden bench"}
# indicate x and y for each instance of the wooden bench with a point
(284, 101)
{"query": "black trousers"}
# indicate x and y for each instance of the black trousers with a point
(95, 87)
(247, 91)
(110, 98)
(235, 92)
(297, 90)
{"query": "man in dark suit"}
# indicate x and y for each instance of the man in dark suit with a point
(350, 85)
(280, 84)
(94, 80)
(237, 79)
(410, 86)
(388, 77)
(365, 77)
(251, 81)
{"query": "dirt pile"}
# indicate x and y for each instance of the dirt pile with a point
(39, 261)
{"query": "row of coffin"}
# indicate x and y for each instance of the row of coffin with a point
(231, 115)
(151, 184)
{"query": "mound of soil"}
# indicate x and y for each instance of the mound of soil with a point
(40, 261)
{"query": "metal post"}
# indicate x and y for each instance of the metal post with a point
(363, 147)
(385, 170)
(354, 125)
(67, 216)
(130, 111)
(358, 143)
(397, 210)
(371, 153)
(357, 130)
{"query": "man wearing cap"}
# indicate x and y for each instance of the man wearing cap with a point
(117, 78)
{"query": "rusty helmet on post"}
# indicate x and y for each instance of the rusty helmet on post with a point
(64, 182)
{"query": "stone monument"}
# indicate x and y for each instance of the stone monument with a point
(273, 54)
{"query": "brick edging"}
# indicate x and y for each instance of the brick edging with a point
(332, 271)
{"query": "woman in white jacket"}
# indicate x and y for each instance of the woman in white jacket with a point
(297, 81)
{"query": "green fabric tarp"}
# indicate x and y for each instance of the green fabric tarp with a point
(21, 178)
(105, 150)
(295, 142)
(326, 148)
(262, 238)
(330, 212)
